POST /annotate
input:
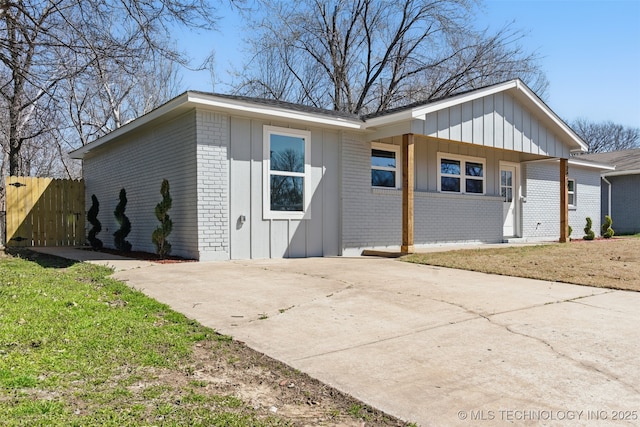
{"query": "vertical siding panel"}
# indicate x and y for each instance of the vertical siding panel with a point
(508, 123)
(526, 131)
(297, 239)
(240, 180)
(260, 228)
(498, 120)
(467, 122)
(431, 124)
(331, 195)
(443, 123)
(535, 139)
(432, 166)
(422, 169)
(517, 127)
(478, 121)
(542, 135)
(279, 238)
(315, 226)
(489, 112)
(455, 122)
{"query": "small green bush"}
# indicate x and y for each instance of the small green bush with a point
(588, 232)
(119, 237)
(607, 231)
(159, 235)
(92, 217)
(570, 231)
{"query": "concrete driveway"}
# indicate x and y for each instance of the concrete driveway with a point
(430, 345)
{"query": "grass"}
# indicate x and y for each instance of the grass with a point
(78, 348)
(613, 263)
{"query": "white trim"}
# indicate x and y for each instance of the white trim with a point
(267, 213)
(192, 100)
(513, 85)
(594, 165)
(463, 176)
(251, 107)
(398, 169)
(518, 197)
(574, 192)
(618, 173)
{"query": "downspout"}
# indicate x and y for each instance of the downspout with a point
(604, 178)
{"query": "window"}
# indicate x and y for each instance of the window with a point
(458, 174)
(571, 184)
(286, 170)
(385, 165)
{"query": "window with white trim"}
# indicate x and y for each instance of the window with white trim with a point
(286, 171)
(461, 174)
(571, 193)
(385, 165)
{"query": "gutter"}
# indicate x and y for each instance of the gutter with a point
(604, 178)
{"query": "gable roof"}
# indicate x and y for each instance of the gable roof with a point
(317, 116)
(626, 162)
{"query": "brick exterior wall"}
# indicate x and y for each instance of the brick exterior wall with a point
(541, 212)
(371, 217)
(138, 163)
(212, 185)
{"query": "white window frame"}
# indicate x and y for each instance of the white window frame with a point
(398, 169)
(463, 177)
(267, 213)
(572, 193)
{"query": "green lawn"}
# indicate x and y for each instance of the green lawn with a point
(74, 343)
(78, 348)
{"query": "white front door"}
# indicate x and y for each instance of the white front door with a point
(509, 193)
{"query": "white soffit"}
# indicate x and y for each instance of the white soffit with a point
(263, 110)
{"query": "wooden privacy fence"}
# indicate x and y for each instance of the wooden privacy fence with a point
(44, 212)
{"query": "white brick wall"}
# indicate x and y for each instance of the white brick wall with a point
(541, 212)
(372, 218)
(138, 164)
(212, 185)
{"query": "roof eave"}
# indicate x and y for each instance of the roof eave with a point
(194, 99)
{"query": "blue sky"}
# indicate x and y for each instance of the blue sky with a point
(590, 51)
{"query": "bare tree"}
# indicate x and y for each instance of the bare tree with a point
(45, 43)
(606, 136)
(365, 56)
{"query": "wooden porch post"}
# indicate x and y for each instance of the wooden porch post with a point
(407, 193)
(564, 200)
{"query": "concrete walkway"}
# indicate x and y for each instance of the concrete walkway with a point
(430, 345)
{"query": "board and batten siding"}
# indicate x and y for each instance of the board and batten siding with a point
(138, 163)
(497, 121)
(256, 237)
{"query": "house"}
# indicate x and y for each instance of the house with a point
(620, 188)
(254, 178)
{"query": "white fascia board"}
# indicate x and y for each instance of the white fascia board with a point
(619, 173)
(248, 107)
(517, 84)
(142, 120)
(600, 166)
(461, 99)
(533, 98)
(194, 99)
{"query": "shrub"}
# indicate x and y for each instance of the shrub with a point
(607, 231)
(159, 235)
(588, 232)
(92, 217)
(570, 231)
(119, 237)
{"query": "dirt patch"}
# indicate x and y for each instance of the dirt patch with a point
(607, 263)
(144, 256)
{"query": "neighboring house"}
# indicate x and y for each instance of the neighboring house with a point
(254, 178)
(620, 188)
